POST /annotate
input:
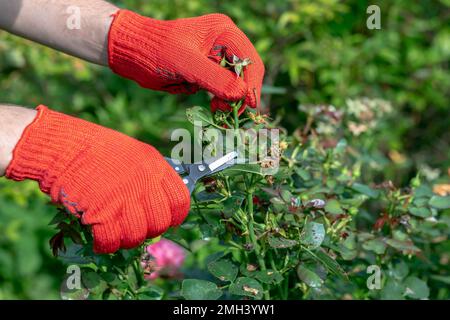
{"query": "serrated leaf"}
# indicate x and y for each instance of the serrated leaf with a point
(247, 287)
(223, 269)
(193, 289)
(313, 235)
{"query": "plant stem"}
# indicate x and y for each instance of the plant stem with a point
(236, 116)
(138, 273)
(251, 231)
(274, 267)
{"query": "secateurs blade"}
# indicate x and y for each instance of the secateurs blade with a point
(191, 173)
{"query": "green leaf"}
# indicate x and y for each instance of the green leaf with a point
(247, 287)
(332, 265)
(193, 289)
(150, 293)
(407, 246)
(232, 204)
(416, 288)
(175, 237)
(393, 290)
(365, 189)
(440, 202)
(223, 269)
(248, 270)
(74, 255)
(199, 114)
(423, 191)
(304, 174)
(420, 212)
(269, 276)
(400, 271)
(286, 196)
(90, 279)
(313, 235)
(376, 245)
(278, 204)
(309, 277)
(247, 168)
(347, 248)
(74, 294)
(279, 242)
(132, 279)
(215, 256)
(204, 196)
(443, 279)
(356, 201)
(334, 207)
(59, 217)
(93, 282)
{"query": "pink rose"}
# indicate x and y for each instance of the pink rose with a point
(164, 259)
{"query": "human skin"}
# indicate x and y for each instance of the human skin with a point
(13, 121)
(46, 22)
(50, 22)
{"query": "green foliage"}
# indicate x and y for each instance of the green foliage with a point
(365, 137)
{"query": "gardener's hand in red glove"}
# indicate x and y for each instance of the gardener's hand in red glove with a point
(176, 56)
(122, 187)
(181, 56)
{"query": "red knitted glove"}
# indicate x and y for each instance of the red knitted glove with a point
(181, 56)
(122, 187)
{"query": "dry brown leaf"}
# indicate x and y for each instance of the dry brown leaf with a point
(253, 291)
(442, 189)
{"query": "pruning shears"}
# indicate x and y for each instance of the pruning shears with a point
(191, 173)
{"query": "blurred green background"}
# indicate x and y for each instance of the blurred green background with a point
(316, 52)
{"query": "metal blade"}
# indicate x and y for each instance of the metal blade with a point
(221, 161)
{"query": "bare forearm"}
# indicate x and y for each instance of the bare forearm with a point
(76, 27)
(13, 120)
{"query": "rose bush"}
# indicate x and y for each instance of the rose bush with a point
(309, 231)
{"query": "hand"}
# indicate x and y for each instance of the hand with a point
(122, 187)
(182, 56)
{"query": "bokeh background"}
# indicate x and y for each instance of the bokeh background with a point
(316, 52)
